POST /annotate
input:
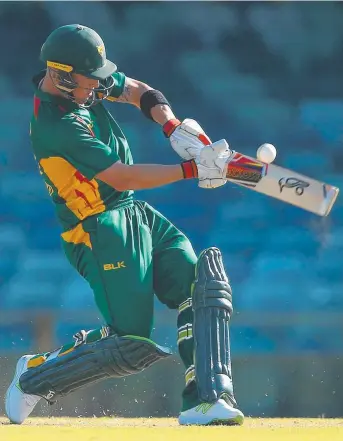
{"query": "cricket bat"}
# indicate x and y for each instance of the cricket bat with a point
(280, 183)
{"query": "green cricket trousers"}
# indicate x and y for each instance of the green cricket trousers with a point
(128, 255)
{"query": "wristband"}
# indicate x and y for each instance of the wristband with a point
(170, 126)
(189, 169)
(150, 99)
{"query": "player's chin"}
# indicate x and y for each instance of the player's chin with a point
(81, 100)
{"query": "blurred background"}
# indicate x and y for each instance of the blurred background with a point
(250, 72)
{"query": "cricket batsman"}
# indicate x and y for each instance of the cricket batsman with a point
(124, 248)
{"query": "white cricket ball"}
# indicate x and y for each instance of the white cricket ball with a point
(266, 153)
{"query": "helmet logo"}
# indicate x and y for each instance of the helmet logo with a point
(101, 49)
(59, 66)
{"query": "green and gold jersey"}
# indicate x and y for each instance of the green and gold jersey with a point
(72, 145)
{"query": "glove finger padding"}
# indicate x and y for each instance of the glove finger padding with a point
(212, 164)
(221, 147)
(188, 138)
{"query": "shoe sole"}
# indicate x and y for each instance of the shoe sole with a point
(237, 421)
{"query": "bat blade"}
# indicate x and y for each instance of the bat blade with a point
(281, 183)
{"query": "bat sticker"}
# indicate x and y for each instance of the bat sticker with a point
(298, 184)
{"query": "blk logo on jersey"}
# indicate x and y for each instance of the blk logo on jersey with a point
(113, 266)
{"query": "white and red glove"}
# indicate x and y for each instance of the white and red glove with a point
(187, 138)
(210, 166)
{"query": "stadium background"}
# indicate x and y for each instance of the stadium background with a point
(252, 73)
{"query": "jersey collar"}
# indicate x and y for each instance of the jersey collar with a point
(64, 103)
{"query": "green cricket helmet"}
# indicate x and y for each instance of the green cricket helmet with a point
(77, 49)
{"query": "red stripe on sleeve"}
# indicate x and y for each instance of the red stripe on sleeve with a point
(36, 104)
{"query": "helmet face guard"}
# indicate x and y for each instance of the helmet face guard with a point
(63, 80)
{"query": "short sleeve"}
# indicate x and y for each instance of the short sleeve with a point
(82, 150)
(119, 83)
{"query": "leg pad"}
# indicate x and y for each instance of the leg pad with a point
(87, 363)
(212, 306)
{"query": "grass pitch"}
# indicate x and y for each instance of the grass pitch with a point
(167, 429)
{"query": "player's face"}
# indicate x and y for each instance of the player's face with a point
(85, 88)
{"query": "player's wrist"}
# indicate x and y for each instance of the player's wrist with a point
(169, 127)
(189, 169)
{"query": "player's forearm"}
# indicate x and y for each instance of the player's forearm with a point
(139, 177)
(152, 176)
(162, 113)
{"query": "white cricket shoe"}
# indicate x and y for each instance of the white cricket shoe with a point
(19, 405)
(207, 413)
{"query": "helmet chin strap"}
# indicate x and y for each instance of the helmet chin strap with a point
(65, 83)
